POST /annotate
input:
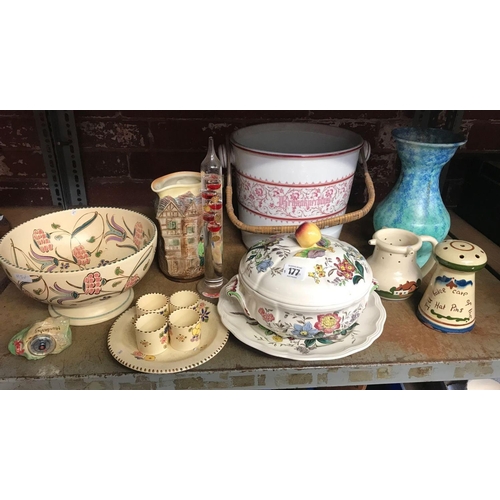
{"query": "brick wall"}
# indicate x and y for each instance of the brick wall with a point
(22, 171)
(123, 151)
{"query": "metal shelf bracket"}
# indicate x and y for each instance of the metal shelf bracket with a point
(61, 155)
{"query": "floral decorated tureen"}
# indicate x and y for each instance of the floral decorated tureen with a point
(315, 291)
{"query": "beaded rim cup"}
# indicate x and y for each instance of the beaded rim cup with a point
(152, 303)
(161, 321)
(186, 303)
(184, 317)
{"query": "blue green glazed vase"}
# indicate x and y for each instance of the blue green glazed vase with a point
(415, 202)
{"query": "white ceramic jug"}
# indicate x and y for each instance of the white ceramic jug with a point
(394, 262)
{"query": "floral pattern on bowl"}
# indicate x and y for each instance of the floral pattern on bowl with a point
(322, 327)
(79, 244)
(76, 257)
(359, 336)
(304, 345)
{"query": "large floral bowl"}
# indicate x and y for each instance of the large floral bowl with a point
(309, 293)
(82, 262)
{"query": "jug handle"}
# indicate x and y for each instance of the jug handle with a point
(430, 263)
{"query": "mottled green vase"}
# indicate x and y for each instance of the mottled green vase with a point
(415, 202)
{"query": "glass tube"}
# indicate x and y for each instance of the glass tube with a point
(213, 208)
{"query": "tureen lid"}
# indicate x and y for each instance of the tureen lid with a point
(328, 273)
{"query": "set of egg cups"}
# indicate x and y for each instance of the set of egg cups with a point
(162, 321)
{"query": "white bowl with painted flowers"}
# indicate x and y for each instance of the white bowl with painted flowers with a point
(82, 262)
(305, 285)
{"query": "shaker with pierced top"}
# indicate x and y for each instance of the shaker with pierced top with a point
(448, 304)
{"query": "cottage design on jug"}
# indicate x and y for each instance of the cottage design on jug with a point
(404, 290)
(180, 224)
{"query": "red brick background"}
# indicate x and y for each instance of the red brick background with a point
(123, 151)
(22, 171)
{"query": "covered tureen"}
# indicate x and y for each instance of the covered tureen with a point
(312, 291)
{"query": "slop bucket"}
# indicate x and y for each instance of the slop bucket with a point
(289, 173)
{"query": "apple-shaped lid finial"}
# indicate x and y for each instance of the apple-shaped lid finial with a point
(307, 234)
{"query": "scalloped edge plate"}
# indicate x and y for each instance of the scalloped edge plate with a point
(369, 328)
(122, 346)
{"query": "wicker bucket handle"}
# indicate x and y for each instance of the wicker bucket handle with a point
(329, 222)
